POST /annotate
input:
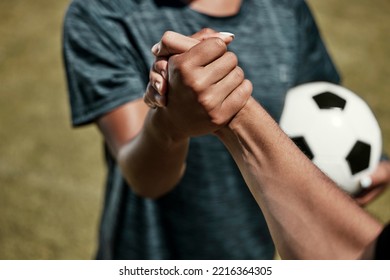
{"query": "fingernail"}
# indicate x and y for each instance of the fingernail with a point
(227, 34)
(164, 74)
(157, 86)
(365, 182)
(156, 48)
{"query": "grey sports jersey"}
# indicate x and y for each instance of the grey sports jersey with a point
(210, 214)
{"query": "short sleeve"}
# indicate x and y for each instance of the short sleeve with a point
(314, 62)
(103, 69)
(382, 250)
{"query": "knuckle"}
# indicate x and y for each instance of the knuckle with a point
(245, 89)
(172, 61)
(218, 43)
(239, 74)
(239, 98)
(166, 37)
(159, 65)
(207, 30)
(176, 64)
(196, 84)
(185, 66)
(232, 58)
(216, 118)
(205, 100)
(248, 86)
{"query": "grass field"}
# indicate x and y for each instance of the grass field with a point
(51, 176)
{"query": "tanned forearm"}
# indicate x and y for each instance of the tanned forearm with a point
(308, 216)
(153, 162)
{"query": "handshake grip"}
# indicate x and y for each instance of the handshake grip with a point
(196, 85)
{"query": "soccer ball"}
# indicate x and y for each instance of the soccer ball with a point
(336, 129)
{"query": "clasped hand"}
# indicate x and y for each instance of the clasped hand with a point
(198, 87)
(195, 83)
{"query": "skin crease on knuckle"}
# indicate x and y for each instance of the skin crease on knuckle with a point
(218, 121)
(192, 77)
(239, 74)
(219, 43)
(231, 58)
(248, 88)
(225, 64)
(242, 94)
(207, 101)
(214, 44)
(197, 83)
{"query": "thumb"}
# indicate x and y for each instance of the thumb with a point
(175, 43)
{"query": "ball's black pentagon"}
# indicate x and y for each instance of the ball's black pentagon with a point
(303, 146)
(359, 157)
(328, 100)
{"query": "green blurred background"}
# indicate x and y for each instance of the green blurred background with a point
(51, 176)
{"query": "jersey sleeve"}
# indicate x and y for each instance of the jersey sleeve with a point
(103, 67)
(315, 63)
(382, 250)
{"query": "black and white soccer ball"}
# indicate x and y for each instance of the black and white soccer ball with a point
(336, 129)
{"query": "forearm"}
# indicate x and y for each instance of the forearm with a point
(153, 163)
(308, 216)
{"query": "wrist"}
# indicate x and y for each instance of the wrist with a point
(158, 125)
(247, 115)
